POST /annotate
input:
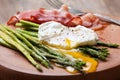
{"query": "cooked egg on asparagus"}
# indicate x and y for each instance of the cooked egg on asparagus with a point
(65, 39)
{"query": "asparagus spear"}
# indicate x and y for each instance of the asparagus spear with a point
(31, 33)
(31, 29)
(78, 65)
(107, 44)
(26, 26)
(20, 25)
(4, 43)
(29, 23)
(9, 40)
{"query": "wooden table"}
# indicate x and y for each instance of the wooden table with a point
(10, 7)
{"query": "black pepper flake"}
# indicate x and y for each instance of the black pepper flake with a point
(67, 33)
(62, 30)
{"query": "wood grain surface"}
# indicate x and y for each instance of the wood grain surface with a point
(106, 7)
(10, 7)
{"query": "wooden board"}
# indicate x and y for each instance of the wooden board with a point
(13, 60)
(14, 66)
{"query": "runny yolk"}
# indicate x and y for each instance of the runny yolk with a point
(68, 42)
(92, 63)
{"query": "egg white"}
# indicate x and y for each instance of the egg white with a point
(60, 36)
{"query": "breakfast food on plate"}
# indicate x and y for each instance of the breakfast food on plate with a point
(57, 37)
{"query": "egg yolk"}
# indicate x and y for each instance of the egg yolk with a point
(68, 42)
(92, 63)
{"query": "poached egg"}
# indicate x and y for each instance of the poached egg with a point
(64, 39)
(60, 36)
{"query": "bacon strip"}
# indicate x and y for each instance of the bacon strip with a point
(62, 15)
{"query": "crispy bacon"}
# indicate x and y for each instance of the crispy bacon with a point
(12, 20)
(91, 21)
(40, 16)
(62, 15)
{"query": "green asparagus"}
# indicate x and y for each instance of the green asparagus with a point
(107, 44)
(100, 53)
(20, 25)
(55, 55)
(78, 65)
(31, 29)
(29, 23)
(9, 40)
(4, 43)
(31, 33)
(43, 60)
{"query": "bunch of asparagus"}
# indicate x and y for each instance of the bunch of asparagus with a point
(28, 44)
(25, 40)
